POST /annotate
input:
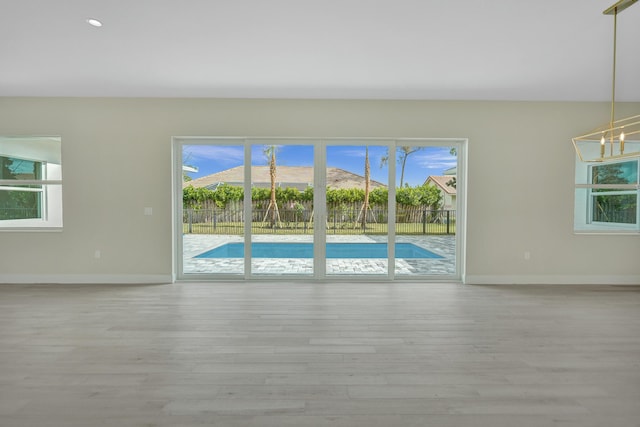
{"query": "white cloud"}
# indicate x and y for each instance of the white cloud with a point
(194, 154)
(358, 153)
(436, 159)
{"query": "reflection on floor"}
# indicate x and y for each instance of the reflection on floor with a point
(195, 244)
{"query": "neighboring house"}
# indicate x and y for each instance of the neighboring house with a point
(451, 171)
(299, 177)
(448, 191)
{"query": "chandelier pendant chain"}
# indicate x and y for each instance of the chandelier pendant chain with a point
(621, 133)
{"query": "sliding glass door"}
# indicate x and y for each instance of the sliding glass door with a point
(282, 183)
(332, 208)
(425, 210)
(357, 181)
(211, 180)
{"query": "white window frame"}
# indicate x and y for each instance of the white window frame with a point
(584, 203)
(47, 151)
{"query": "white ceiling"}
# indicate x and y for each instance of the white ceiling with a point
(381, 49)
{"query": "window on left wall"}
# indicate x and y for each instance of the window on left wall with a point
(30, 183)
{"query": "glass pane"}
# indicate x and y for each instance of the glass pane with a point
(613, 211)
(37, 205)
(426, 210)
(621, 208)
(23, 202)
(19, 169)
(282, 179)
(615, 173)
(213, 218)
(357, 194)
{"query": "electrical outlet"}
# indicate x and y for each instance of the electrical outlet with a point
(97, 254)
(527, 255)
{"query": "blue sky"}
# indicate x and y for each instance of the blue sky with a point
(420, 164)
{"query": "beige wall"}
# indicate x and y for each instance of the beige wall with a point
(117, 160)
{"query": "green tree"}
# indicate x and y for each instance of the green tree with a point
(452, 182)
(608, 174)
(288, 194)
(422, 195)
(225, 193)
(307, 195)
(259, 194)
(18, 204)
(612, 208)
(195, 197)
(379, 196)
(5, 168)
(429, 195)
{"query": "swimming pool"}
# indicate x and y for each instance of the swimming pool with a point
(305, 250)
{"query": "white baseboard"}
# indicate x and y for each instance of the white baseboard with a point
(86, 278)
(552, 280)
(167, 278)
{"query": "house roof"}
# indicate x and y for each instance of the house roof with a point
(441, 182)
(286, 176)
(451, 171)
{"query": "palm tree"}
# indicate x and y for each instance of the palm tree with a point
(404, 152)
(270, 153)
(362, 216)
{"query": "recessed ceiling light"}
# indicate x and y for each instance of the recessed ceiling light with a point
(94, 22)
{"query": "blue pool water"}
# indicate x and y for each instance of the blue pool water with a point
(305, 250)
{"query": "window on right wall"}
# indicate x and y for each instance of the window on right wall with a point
(607, 196)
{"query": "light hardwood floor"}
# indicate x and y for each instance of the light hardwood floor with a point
(301, 354)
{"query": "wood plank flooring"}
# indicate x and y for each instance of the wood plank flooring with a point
(336, 354)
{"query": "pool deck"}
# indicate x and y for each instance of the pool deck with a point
(195, 244)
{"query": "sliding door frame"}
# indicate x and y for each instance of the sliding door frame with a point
(319, 200)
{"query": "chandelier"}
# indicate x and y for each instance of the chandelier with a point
(619, 138)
